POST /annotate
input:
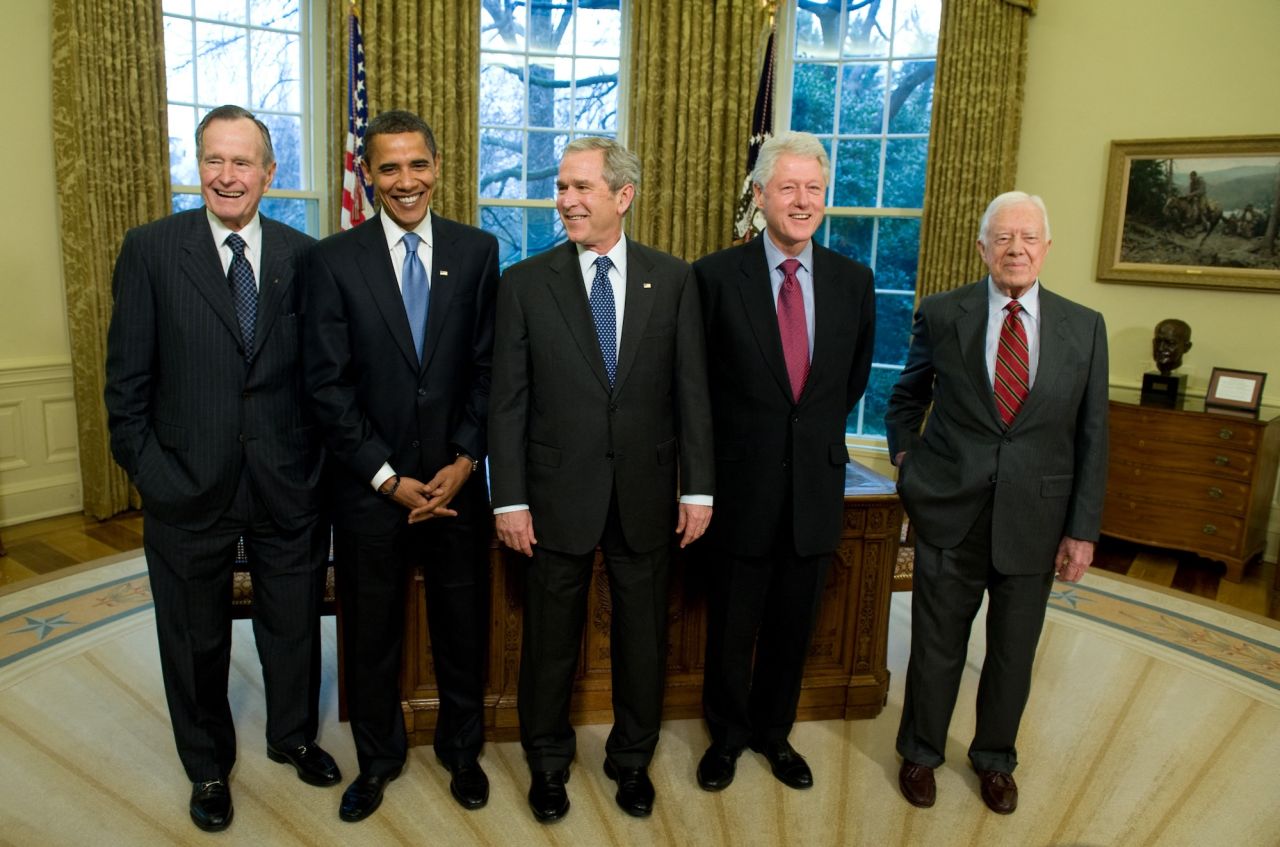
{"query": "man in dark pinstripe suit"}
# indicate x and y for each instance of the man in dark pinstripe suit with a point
(204, 395)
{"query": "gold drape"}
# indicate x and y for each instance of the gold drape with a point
(424, 56)
(110, 145)
(977, 111)
(693, 68)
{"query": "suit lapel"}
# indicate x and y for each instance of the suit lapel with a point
(825, 323)
(1054, 359)
(444, 262)
(569, 291)
(380, 277)
(204, 268)
(275, 278)
(757, 300)
(639, 305)
(971, 332)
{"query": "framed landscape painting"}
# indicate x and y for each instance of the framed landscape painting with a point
(1195, 212)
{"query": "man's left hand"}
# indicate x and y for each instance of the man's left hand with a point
(693, 522)
(440, 491)
(1074, 558)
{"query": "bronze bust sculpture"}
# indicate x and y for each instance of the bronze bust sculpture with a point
(1171, 341)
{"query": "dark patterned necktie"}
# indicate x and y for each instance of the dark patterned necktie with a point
(605, 317)
(414, 290)
(1013, 372)
(792, 327)
(243, 291)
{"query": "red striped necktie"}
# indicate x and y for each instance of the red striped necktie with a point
(1013, 374)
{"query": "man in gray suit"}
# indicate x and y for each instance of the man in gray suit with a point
(205, 404)
(1004, 487)
(599, 401)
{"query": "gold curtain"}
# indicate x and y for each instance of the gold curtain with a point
(977, 111)
(694, 67)
(110, 145)
(424, 56)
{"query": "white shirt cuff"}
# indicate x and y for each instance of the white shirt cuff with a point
(519, 507)
(384, 473)
(697, 499)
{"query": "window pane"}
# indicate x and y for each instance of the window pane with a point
(183, 167)
(186, 202)
(180, 75)
(912, 98)
(851, 237)
(868, 29)
(817, 32)
(222, 10)
(813, 109)
(545, 231)
(220, 64)
(177, 7)
(862, 98)
(501, 155)
(286, 140)
(502, 25)
(548, 96)
(893, 327)
(277, 81)
(507, 225)
(299, 213)
(857, 169)
(545, 149)
(600, 29)
(502, 92)
(875, 401)
(904, 172)
(549, 24)
(916, 29)
(280, 14)
(596, 99)
(897, 253)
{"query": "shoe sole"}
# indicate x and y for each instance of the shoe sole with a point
(319, 782)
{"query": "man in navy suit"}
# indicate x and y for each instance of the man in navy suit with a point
(998, 426)
(789, 341)
(398, 349)
(599, 405)
(204, 395)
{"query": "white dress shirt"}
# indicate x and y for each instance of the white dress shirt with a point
(1030, 317)
(252, 235)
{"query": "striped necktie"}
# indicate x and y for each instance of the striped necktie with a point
(1013, 373)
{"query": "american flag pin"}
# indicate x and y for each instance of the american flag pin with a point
(648, 285)
(444, 273)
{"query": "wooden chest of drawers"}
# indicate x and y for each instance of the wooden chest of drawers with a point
(1191, 479)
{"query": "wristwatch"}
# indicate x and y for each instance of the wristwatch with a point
(475, 463)
(391, 492)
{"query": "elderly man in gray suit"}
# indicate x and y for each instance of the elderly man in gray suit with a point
(1004, 484)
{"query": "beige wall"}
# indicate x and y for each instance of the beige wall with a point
(1100, 70)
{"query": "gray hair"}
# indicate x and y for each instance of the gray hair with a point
(621, 166)
(1012, 198)
(795, 144)
(235, 113)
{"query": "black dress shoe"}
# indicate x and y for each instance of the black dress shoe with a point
(363, 797)
(547, 795)
(787, 765)
(917, 784)
(469, 786)
(717, 768)
(314, 765)
(999, 791)
(211, 805)
(635, 790)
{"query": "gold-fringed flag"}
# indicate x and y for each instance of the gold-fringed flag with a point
(748, 221)
(357, 194)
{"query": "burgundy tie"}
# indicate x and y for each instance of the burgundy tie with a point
(791, 325)
(1013, 375)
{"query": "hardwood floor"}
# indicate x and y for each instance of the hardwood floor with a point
(43, 547)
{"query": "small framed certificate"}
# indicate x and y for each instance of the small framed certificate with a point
(1235, 389)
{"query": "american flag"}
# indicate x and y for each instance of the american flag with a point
(357, 195)
(748, 220)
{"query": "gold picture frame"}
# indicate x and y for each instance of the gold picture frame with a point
(1160, 228)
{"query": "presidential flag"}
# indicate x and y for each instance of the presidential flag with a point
(357, 194)
(748, 220)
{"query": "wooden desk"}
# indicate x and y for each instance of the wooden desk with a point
(1191, 478)
(846, 676)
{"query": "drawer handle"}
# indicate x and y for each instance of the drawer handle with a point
(1225, 434)
(1215, 492)
(1221, 460)
(1210, 529)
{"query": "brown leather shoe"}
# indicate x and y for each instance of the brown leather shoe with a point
(999, 791)
(916, 782)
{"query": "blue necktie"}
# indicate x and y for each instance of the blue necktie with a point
(606, 319)
(243, 291)
(414, 290)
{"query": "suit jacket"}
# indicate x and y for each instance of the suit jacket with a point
(1047, 472)
(373, 399)
(186, 412)
(777, 459)
(562, 441)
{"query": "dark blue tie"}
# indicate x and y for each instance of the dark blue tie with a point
(606, 319)
(243, 291)
(414, 290)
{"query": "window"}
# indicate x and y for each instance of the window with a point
(256, 54)
(549, 72)
(861, 79)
